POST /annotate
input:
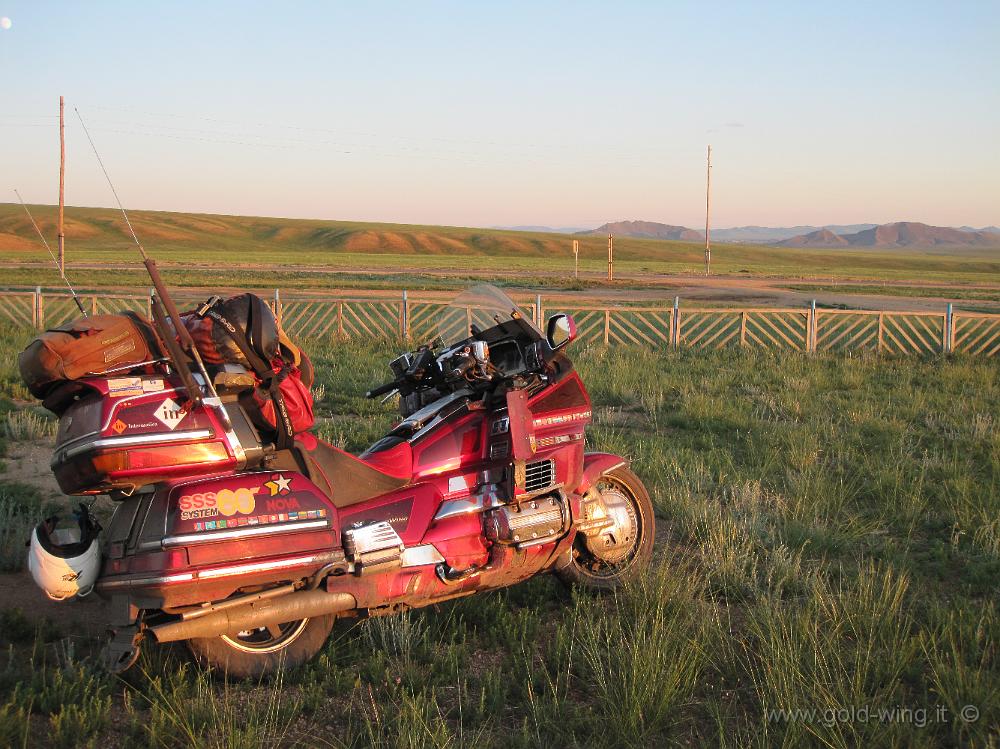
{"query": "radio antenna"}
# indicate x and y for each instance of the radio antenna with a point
(112, 186)
(41, 236)
(163, 306)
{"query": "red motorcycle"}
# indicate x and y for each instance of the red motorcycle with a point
(248, 553)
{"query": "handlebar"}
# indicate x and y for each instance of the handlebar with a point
(383, 389)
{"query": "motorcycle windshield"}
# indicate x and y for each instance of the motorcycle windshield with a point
(484, 306)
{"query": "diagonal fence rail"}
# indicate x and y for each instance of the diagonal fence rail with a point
(393, 316)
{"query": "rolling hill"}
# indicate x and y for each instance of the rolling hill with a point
(818, 238)
(101, 228)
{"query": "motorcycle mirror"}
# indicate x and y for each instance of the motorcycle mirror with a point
(560, 331)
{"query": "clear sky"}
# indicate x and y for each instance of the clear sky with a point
(505, 113)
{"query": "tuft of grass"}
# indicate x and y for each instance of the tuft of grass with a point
(20, 510)
(27, 425)
(645, 654)
(188, 708)
(15, 725)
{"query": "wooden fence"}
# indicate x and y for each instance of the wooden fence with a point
(400, 315)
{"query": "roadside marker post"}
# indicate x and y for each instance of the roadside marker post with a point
(708, 214)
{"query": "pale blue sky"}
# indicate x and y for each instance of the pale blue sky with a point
(469, 113)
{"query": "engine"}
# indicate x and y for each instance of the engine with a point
(533, 521)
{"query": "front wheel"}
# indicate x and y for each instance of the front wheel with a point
(603, 562)
(257, 652)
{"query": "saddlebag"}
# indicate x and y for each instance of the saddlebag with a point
(85, 347)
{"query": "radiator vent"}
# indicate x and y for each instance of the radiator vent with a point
(539, 475)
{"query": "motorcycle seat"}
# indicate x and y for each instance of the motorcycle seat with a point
(348, 480)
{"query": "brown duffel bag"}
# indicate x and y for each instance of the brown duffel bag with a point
(86, 346)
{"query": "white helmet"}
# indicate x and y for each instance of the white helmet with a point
(65, 562)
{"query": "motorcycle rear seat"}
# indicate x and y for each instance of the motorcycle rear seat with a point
(348, 480)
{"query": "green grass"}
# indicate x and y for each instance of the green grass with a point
(950, 292)
(259, 247)
(829, 542)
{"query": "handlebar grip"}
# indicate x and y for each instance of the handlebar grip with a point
(382, 389)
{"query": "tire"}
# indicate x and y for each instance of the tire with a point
(580, 567)
(260, 653)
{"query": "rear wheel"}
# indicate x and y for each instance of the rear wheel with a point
(605, 561)
(264, 650)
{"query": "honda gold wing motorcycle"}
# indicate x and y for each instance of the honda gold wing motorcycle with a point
(248, 552)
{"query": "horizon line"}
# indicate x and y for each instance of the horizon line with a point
(494, 227)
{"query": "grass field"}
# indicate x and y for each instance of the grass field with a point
(829, 541)
(976, 295)
(253, 249)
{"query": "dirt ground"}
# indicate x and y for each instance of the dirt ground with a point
(28, 462)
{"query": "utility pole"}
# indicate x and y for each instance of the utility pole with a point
(611, 257)
(708, 214)
(62, 185)
(576, 258)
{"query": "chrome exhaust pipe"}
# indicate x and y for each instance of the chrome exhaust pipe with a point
(260, 613)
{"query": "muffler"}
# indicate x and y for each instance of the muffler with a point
(260, 613)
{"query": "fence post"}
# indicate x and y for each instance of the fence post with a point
(881, 330)
(340, 318)
(149, 303)
(277, 306)
(39, 309)
(743, 328)
(538, 310)
(404, 317)
(607, 326)
(675, 327)
(93, 304)
(948, 335)
(811, 329)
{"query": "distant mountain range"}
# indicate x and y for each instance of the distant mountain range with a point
(899, 234)
(987, 229)
(544, 229)
(646, 230)
(777, 233)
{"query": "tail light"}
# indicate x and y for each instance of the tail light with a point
(96, 472)
(140, 458)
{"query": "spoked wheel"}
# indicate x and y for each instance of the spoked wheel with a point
(265, 650)
(606, 560)
(267, 639)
